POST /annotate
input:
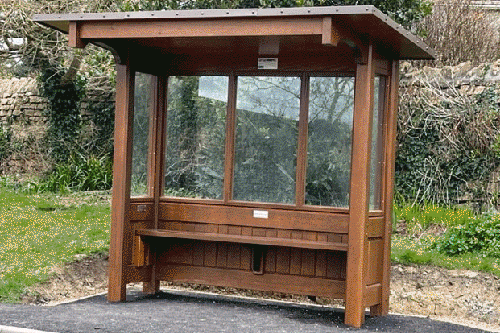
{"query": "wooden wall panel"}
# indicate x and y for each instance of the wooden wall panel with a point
(243, 216)
(375, 264)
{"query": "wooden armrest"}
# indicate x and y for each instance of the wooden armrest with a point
(214, 237)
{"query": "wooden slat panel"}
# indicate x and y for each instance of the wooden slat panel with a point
(211, 254)
(246, 258)
(266, 282)
(295, 261)
(198, 253)
(243, 216)
(222, 255)
(283, 261)
(270, 260)
(205, 28)
(233, 256)
(177, 253)
(336, 265)
(308, 262)
(320, 263)
(243, 239)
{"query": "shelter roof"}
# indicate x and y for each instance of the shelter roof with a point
(178, 29)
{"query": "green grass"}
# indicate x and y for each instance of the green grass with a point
(411, 251)
(421, 217)
(38, 232)
(415, 246)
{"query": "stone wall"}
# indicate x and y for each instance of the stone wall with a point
(22, 111)
(464, 77)
(21, 101)
(462, 82)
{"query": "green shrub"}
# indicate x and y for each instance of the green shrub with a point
(79, 173)
(480, 236)
(5, 143)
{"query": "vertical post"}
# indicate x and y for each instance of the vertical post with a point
(158, 149)
(230, 138)
(124, 117)
(359, 194)
(383, 308)
(302, 143)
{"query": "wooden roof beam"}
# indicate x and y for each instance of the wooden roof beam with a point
(208, 28)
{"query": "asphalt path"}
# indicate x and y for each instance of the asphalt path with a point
(179, 311)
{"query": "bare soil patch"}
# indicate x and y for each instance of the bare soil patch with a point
(465, 297)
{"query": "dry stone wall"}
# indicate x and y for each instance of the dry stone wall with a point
(21, 101)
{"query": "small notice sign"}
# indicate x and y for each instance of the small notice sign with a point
(260, 214)
(268, 63)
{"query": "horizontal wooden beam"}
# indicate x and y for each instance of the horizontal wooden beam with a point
(243, 216)
(202, 28)
(217, 237)
(292, 284)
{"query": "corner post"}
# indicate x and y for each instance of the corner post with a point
(359, 193)
(383, 308)
(124, 118)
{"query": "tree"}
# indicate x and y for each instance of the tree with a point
(405, 12)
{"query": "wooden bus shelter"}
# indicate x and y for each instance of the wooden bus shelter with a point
(254, 148)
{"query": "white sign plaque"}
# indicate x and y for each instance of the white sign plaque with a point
(260, 214)
(268, 63)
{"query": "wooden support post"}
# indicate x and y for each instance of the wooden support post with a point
(119, 245)
(157, 149)
(74, 39)
(300, 191)
(383, 308)
(330, 35)
(359, 195)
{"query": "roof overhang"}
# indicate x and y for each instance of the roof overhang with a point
(179, 31)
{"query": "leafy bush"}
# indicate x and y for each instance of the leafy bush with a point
(79, 173)
(63, 114)
(447, 142)
(5, 143)
(480, 235)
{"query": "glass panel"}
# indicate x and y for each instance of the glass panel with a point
(377, 154)
(266, 139)
(331, 107)
(196, 116)
(143, 109)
